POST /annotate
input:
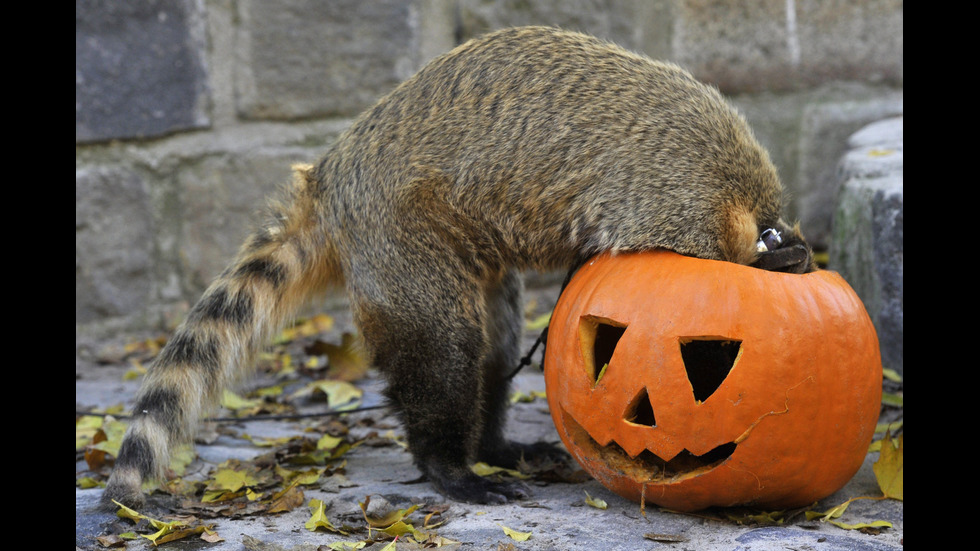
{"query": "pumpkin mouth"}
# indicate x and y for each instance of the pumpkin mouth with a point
(647, 467)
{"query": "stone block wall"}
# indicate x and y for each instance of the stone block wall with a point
(189, 112)
(869, 230)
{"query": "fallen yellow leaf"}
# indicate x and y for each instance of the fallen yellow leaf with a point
(176, 531)
(231, 480)
(167, 531)
(889, 468)
(318, 518)
(126, 512)
(527, 397)
(891, 375)
(595, 502)
(85, 429)
(286, 500)
(340, 394)
(305, 478)
(539, 322)
(386, 520)
(107, 439)
(515, 535)
(835, 512)
(482, 469)
(860, 525)
(347, 545)
(234, 402)
(347, 362)
(328, 442)
(319, 323)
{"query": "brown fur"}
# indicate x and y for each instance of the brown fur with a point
(527, 149)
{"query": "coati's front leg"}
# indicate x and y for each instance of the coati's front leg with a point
(427, 336)
(783, 249)
(505, 321)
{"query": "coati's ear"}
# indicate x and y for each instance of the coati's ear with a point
(784, 251)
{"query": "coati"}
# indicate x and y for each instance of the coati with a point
(526, 149)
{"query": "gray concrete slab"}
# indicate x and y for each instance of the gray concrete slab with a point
(556, 514)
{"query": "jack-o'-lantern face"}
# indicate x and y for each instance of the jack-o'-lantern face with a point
(691, 383)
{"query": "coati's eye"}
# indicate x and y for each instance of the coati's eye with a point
(769, 240)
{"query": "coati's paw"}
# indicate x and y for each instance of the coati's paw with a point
(792, 259)
(777, 254)
(111, 502)
(475, 489)
(512, 454)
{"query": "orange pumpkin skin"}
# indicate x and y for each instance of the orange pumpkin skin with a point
(789, 424)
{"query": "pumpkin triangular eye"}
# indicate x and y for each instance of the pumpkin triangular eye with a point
(708, 362)
(640, 410)
(598, 337)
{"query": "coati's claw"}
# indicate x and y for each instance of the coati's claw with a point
(475, 489)
(514, 453)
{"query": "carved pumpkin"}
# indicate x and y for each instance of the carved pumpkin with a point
(691, 383)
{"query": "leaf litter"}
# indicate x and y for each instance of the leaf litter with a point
(273, 482)
(270, 483)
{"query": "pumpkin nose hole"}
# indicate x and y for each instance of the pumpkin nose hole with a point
(708, 362)
(599, 338)
(640, 410)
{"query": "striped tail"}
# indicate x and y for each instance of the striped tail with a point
(281, 266)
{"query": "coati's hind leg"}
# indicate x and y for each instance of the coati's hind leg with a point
(504, 324)
(427, 336)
